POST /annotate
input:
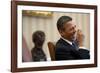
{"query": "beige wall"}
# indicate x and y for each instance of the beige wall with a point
(48, 25)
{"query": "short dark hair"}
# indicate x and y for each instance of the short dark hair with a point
(61, 21)
(38, 38)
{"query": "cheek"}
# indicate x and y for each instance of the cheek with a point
(68, 34)
(71, 35)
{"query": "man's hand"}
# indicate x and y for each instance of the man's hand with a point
(80, 38)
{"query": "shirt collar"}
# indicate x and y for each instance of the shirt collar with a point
(67, 41)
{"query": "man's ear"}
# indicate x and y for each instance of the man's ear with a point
(61, 32)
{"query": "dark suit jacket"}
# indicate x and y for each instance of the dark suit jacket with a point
(65, 51)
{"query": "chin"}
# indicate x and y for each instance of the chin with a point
(73, 39)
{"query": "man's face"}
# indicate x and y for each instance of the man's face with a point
(69, 31)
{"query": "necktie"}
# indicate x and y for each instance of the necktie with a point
(74, 46)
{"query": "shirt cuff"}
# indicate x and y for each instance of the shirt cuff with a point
(82, 47)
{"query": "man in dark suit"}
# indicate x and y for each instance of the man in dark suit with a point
(70, 45)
